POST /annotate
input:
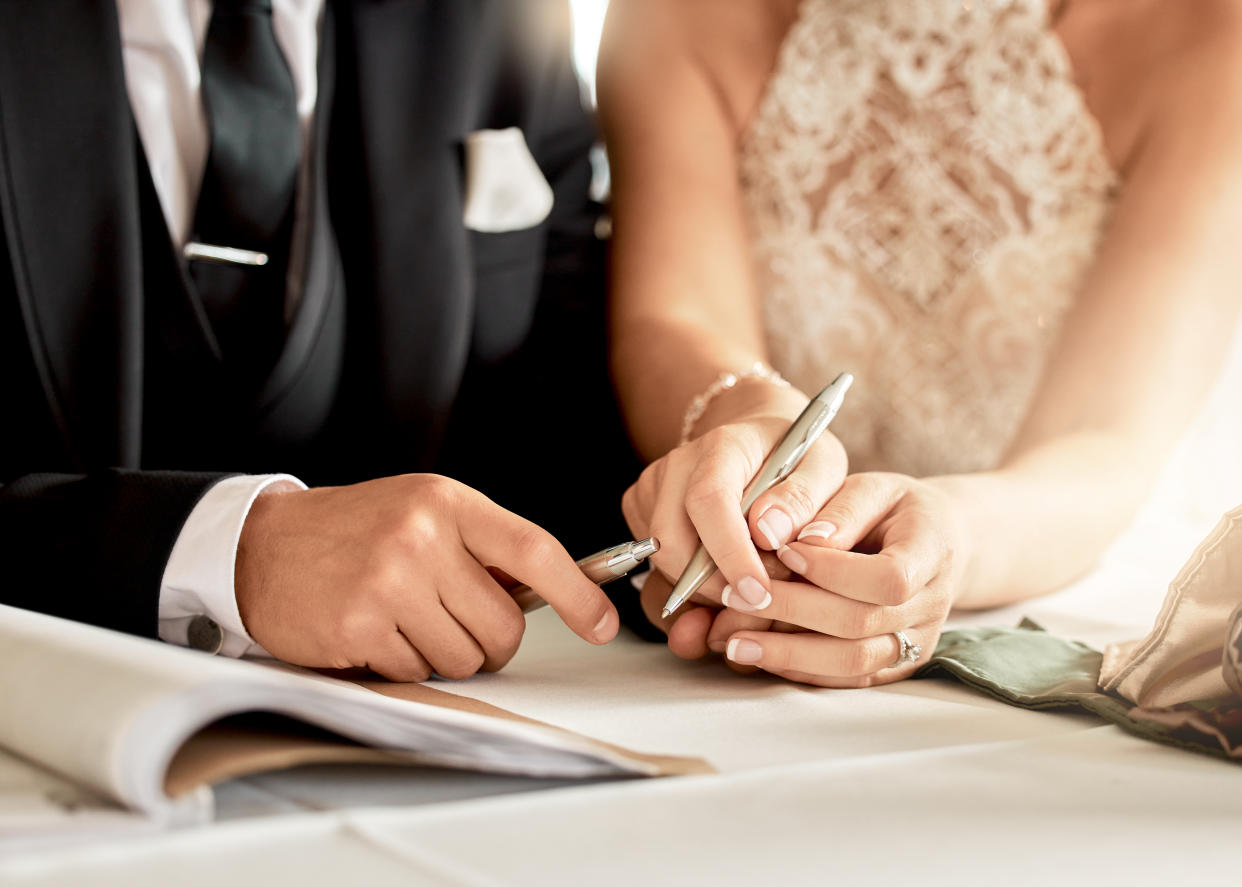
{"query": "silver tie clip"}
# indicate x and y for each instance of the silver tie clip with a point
(224, 255)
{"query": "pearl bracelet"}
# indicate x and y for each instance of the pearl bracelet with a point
(698, 406)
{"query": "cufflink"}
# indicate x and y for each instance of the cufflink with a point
(205, 635)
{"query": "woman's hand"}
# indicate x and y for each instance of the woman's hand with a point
(886, 554)
(694, 492)
(689, 627)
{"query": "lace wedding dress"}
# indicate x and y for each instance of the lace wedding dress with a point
(925, 189)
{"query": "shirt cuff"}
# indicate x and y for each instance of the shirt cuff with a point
(198, 603)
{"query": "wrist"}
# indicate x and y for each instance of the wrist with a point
(252, 563)
(751, 397)
(724, 383)
(198, 584)
(965, 517)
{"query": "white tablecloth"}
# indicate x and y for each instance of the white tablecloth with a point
(920, 782)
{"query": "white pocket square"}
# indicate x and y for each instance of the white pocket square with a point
(505, 189)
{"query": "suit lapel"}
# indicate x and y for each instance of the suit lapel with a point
(69, 199)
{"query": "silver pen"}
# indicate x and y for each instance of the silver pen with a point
(805, 430)
(601, 568)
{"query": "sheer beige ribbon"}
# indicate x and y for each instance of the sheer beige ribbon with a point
(1193, 653)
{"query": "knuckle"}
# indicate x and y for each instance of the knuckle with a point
(798, 498)
(509, 637)
(533, 547)
(420, 528)
(864, 621)
(859, 658)
(437, 491)
(841, 511)
(732, 556)
(652, 476)
(406, 672)
(460, 662)
(719, 439)
(708, 496)
(896, 584)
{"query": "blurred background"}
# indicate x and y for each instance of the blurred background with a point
(588, 16)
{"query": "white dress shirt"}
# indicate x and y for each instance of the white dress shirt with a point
(161, 44)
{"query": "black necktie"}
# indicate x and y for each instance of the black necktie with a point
(246, 199)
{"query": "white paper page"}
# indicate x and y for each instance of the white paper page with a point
(108, 710)
(40, 810)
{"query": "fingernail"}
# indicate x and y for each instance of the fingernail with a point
(739, 602)
(744, 651)
(606, 629)
(775, 525)
(792, 559)
(820, 529)
(753, 595)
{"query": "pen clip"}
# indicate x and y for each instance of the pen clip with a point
(815, 427)
(813, 430)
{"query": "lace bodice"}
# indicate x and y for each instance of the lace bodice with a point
(925, 188)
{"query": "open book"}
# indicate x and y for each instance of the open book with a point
(152, 726)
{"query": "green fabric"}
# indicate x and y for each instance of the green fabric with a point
(1030, 668)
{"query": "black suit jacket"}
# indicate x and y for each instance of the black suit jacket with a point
(436, 353)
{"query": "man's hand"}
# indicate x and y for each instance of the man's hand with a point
(391, 575)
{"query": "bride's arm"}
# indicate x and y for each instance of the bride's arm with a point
(1143, 345)
(1141, 348)
(1138, 353)
(684, 305)
(1147, 337)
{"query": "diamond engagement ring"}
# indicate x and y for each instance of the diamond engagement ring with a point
(909, 652)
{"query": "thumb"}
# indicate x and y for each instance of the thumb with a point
(778, 515)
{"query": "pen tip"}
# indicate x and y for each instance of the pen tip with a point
(666, 613)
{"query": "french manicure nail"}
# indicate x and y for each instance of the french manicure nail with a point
(602, 629)
(753, 595)
(744, 651)
(820, 529)
(775, 525)
(792, 559)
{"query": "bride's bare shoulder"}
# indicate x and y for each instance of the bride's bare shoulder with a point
(1153, 63)
(732, 45)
